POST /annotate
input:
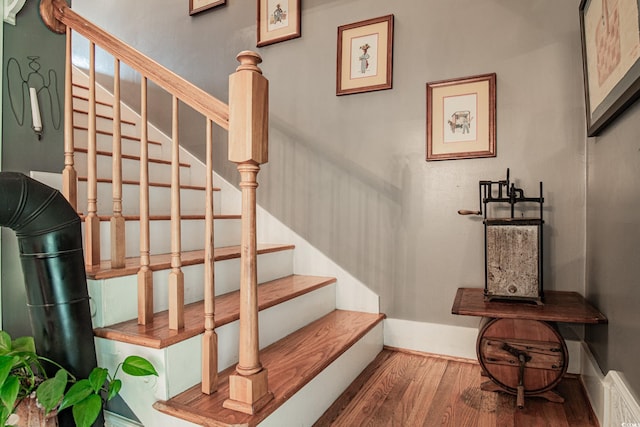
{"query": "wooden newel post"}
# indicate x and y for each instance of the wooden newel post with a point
(248, 147)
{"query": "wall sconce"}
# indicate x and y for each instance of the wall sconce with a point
(26, 89)
(35, 112)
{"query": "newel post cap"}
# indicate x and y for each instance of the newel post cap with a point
(48, 9)
(248, 111)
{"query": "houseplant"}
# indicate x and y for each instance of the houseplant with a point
(22, 373)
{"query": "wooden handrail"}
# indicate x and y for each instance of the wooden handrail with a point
(187, 92)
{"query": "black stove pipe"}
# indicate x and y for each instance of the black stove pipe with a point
(50, 241)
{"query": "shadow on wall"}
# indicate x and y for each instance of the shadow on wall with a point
(342, 209)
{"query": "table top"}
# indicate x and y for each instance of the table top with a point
(559, 306)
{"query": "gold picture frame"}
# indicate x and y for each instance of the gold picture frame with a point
(365, 56)
(610, 58)
(461, 118)
(197, 6)
(278, 20)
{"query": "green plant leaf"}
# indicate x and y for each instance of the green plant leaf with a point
(97, 377)
(114, 389)
(9, 392)
(78, 392)
(4, 415)
(6, 364)
(5, 342)
(138, 366)
(24, 344)
(50, 392)
(86, 411)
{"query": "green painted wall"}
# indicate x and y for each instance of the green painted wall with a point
(613, 244)
(21, 150)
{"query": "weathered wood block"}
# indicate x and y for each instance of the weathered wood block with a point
(513, 258)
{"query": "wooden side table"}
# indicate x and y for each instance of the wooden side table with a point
(519, 347)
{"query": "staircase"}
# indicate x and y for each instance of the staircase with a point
(311, 349)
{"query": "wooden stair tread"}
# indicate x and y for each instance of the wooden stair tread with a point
(104, 116)
(158, 335)
(151, 184)
(110, 133)
(291, 363)
(130, 157)
(163, 261)
(86, 98)
(162, 217)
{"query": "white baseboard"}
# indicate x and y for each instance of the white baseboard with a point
(433, 338)
(448, 340)
(114, 420)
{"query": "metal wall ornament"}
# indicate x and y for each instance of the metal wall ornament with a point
(36, 90)
(610, 59)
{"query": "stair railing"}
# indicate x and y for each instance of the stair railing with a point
(248, 130)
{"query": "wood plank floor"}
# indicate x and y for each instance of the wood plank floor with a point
(409, 389)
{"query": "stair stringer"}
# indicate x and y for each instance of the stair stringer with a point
(351, 294)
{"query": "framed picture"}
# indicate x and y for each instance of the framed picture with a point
(365, 56)
(461, 118)
(611, 59)
(278, 20)
(196, 6)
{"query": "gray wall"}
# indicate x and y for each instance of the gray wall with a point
(349, 173)
(21, 150)
(613, 233)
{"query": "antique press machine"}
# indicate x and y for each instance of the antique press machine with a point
(521, 354)
(513, 245)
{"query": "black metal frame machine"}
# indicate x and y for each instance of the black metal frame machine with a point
(513, 246)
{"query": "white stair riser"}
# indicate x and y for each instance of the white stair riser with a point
(274, 323)
(131, 147)
(227, 232)
(158, 172)
(192, 202)
(109, 306)
(308, 404)
(176, 363)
